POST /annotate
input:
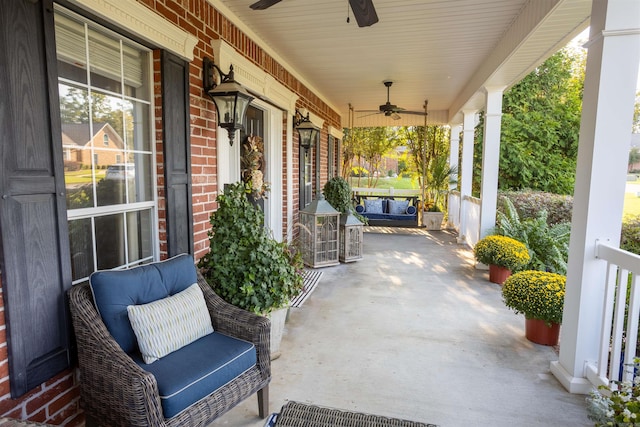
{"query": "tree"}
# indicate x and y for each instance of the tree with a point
(428, 157)
(368, 145)
(540, 128)
(634, 157)
(636, 115)
(74, 108)
(378, 142)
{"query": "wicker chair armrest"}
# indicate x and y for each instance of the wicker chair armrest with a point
(107, 371)
(236, 322)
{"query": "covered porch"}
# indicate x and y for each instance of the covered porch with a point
(414, 331)
(440, 57)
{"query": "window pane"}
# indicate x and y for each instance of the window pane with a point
(136, 115)
(110, 241)
(104, 62)
(107, 147)
(139, 237)
(76, 151)
(81, 242)
(70, 49)
(112, 188)
(142, 191)
(106, 114)
(136, 72)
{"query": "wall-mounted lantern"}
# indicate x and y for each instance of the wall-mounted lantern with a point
(230, 97)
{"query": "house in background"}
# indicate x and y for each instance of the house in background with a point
(79, 148)
(145, 59)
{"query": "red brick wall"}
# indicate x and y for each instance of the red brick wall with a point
(57, 400)
(200, 19)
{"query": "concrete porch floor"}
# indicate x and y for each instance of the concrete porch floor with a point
(414, 331)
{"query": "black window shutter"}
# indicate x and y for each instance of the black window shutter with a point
(177, 154)
(34, 249)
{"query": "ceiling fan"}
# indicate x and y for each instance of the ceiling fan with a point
(363, 10)
(391, 110)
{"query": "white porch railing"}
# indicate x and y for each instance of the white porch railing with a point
(619, 330)
(468, 227)
(471, 232)
(454, 209)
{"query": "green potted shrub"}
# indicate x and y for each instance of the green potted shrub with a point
(548, 245)
(539, 295)
(245, 265)
(338, 194)
(502, 254)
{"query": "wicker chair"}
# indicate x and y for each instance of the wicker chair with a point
(117, 391)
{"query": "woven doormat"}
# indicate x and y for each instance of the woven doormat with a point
(311, 279)
(295, 414)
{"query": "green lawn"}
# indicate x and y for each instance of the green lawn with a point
(82, 176)
(386, 183)
(631, 205)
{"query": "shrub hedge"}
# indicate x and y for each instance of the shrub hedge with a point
(630, 238)
(559, 207)
(529, 203)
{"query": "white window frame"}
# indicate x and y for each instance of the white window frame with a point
(151, 205)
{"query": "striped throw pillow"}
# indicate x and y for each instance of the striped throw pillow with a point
(168, 324)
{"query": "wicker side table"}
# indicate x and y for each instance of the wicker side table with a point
(295, 414)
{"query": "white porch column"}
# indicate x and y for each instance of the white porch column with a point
(468, 124)
(490, 159)
(454, 149)
(603, 150)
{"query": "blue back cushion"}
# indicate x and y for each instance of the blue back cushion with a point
(114, 290)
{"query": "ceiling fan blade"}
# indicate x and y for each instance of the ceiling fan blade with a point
(417, 113)
(364, 12)
(370, 114)
(367, 111)
(265, 4)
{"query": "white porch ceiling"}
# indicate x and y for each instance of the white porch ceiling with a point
(443, 51)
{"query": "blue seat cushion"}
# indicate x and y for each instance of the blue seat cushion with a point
(114, 290)
(390, 217)
(198, 369)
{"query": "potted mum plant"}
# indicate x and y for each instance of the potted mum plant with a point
(539, 295)
(503, 255)
(246, 266)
